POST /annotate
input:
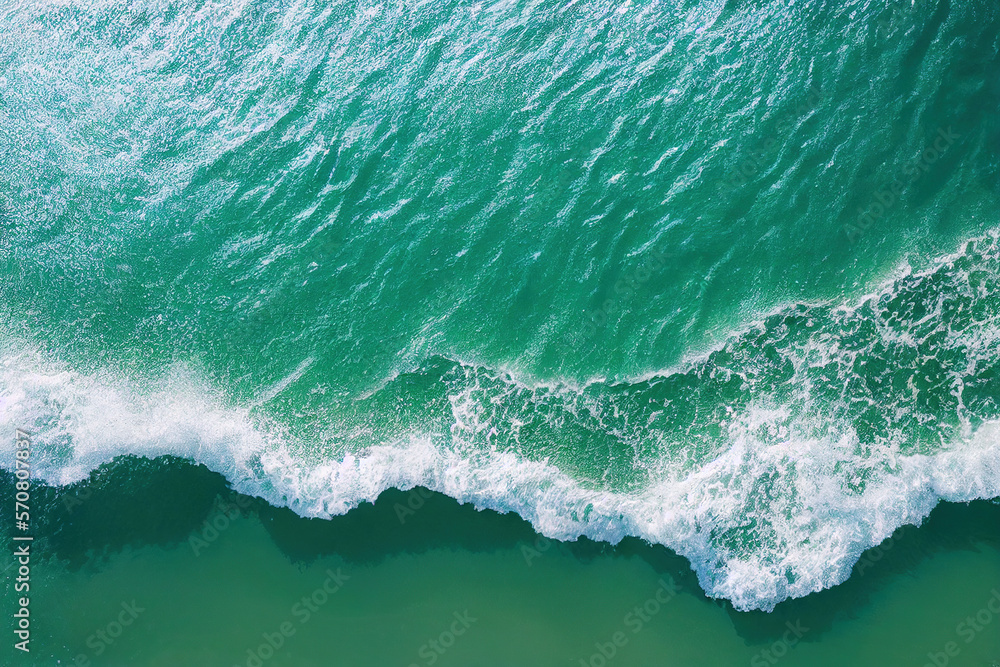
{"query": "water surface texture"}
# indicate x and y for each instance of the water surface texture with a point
(723, 276)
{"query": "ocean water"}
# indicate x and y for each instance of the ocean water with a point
(156, 563)
(720, 276)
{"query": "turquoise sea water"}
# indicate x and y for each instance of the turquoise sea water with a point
(721, 276)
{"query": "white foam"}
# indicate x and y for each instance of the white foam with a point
(783, 505)
(816, 533)
(816, 527)
(79, 422)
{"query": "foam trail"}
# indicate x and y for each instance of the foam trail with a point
(283, 383)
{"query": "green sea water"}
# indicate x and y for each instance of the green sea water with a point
(722, 277)
(158, 564)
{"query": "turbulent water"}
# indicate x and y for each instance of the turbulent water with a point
(721, 275)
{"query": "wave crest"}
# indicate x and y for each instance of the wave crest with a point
(771, 463)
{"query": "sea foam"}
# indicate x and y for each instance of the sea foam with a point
(807, 465)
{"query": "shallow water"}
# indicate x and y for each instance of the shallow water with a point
(403, 568)
(721, 276)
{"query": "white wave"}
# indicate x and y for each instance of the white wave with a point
(80, 421)
(808, 533)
